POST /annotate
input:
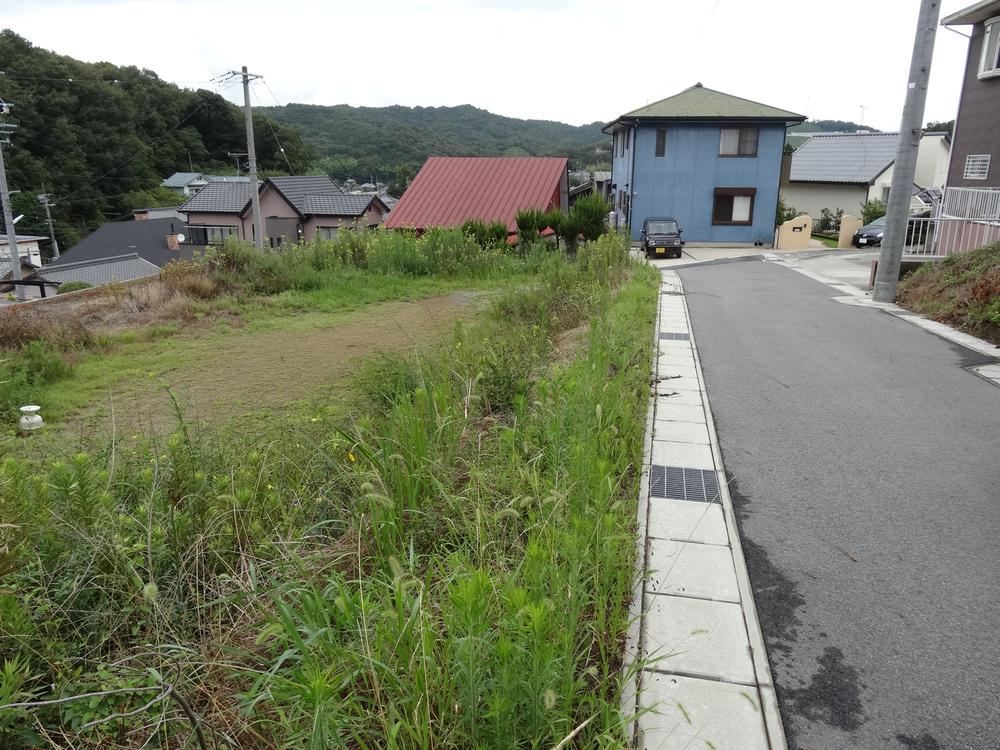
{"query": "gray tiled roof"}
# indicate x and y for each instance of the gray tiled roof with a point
(181, 179)
(336, 205)
(101, 271)
(295, 189)
(146, 238)
(856, 158)
(219, 197)
(227, 177)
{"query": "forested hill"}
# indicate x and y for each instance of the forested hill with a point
(363, 142)
(100, 137)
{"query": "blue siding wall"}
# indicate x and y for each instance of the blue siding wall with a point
(682, 183)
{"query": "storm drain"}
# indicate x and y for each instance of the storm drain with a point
(675, 337)
(684, 484)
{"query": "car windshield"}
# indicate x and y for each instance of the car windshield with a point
(879, 222)
(662, 227)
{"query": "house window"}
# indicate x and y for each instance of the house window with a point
(327, 233)
(885, 193)
(977, 167)
(733, 206)
(989, 61)
(209, 235)
(738, 142)
(661, 141)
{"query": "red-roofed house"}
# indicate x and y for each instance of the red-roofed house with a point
(449, 190)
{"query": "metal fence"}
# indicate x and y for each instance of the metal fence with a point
(971, 203)
(943, 235)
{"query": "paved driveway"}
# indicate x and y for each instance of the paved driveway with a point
(865, 467)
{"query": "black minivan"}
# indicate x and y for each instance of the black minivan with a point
(661, 237)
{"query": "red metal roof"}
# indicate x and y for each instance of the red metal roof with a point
(448, 190)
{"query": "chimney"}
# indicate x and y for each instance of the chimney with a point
(140, 215)
(173, 243)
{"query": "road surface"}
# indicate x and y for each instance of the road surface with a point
(865, 468)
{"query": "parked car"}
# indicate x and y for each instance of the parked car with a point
(661, 236)
(870, 235)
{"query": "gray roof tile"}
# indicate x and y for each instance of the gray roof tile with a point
(219, 197)
(336, 205)
(295, 189)
(181, 179)
(101, 271)
(856, 158)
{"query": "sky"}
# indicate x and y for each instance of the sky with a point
(575, 61)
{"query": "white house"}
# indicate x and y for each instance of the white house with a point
(845, 170)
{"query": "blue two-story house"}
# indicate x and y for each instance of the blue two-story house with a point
(708, 159)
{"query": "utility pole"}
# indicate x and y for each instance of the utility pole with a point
(258, 238)
(905, 166)
(8, 217)
(44, 198)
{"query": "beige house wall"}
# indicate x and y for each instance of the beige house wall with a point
(812, 197)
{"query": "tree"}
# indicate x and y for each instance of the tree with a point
(872, 210)
(590, 214)
(942, 126)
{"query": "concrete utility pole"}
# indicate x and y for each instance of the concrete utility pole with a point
(905, 168)
(258, 238)
(8, 216)
(44, 198)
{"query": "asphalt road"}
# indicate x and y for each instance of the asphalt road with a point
(865, 468)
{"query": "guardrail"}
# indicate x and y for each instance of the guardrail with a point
(939, 236)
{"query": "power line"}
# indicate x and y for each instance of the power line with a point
(271, 127)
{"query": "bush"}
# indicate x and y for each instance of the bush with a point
(872, 210)
(829, 221)
(21, 325)
(493, 234)
(73, 286)
(784, 213)
(589, 215)
(530, 222)
(190, 279)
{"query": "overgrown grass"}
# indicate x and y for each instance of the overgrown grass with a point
(962, 290)
(292, 289)
(449, 569)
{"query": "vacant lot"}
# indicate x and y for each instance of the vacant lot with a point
(444, 563)
(229, 372)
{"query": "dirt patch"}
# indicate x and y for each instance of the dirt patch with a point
(245, 371)
(566, 344)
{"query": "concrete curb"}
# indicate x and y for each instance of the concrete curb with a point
(693, 630)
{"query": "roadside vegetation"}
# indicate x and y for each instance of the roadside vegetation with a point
(443, 560)
(962, 290)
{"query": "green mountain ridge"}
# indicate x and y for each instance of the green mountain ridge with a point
(393, 141)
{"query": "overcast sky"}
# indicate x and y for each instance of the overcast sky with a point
(570, 60)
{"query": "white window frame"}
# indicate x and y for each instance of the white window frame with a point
(989, 58)
(977, 167)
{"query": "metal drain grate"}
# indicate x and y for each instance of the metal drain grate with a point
(675, 337)
(684, 484)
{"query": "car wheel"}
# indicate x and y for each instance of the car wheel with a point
(677, 254)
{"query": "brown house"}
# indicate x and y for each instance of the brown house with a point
(292, 209)
(975, 151)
